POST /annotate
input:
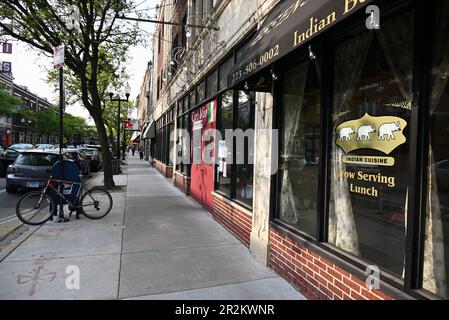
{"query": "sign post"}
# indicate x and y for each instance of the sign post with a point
(58, 63)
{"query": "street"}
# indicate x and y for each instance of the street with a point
(7, 201)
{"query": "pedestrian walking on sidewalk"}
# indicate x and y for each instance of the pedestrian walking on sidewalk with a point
(141, 153)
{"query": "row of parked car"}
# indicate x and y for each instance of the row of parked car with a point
(26, 166)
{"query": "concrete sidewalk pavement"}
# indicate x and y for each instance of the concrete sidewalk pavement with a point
(155, 244)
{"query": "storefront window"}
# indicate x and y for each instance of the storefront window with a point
(299, 163)
(370, 143)
(436, 244)
(244, 172)
(212, 82)
(201, 92)
(192, 98)
(185, 144)
(225, 69)
(171, 143)
(224, 168)
(186, 103)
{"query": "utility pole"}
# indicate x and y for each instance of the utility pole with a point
(58, 63)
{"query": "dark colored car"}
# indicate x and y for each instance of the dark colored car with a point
(6, 158)
(80, 158)
(30, 170)
(94, 157)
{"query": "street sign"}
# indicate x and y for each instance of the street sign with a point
(5, 67)
(131, 125)
(7, 47)
(58, 57)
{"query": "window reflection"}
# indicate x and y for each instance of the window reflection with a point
(372, 77)
(299, 163)
(436, 245)
(244, 174)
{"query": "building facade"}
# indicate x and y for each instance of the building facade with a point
(15, 128)
(343, 188)
(145, 114)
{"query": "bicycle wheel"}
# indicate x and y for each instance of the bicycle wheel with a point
(96, 203)
(35, 208)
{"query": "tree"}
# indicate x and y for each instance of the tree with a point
(107, 75)
(110, 111)
(43, 122)
(8, 103)
(88, 50)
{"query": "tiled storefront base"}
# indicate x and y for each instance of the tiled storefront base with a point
(182, 182)
(167, 171)
(235, 218)
(313, 275)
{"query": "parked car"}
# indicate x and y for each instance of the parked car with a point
(7, 157)
(80, 158)
(30, 170)
(21, 146)
(94, 157)
(44, 146)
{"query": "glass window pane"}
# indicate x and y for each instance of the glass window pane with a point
(212, 81)
(186, 103)
(171, 142)
(436, 245)
(244, 171)
(225, 69)
(224, 167)
(192, 98)
(299, 163)
(370, 143)
(201, 92)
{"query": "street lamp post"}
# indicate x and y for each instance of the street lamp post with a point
(119, 100)
(124, 139)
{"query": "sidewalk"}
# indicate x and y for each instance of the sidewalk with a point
(155, 244)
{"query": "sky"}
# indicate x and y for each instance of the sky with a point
(29, 65)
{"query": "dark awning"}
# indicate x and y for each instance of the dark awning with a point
(289, 25)
(149, 132)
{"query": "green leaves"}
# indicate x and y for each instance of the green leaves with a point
(8, 103)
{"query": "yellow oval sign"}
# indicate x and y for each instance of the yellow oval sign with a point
(379, 133)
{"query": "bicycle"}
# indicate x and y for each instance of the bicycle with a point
(37, 207)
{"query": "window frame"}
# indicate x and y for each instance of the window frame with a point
(232, 197)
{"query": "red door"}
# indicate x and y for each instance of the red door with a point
(202, 173)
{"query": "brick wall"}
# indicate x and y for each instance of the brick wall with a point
(182, 182)
(233, 217)
(166, 171)
(314, 276)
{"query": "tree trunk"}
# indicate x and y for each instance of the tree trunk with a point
(105, 152)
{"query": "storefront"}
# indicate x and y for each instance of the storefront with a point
(164, 143)
(148, 137)
(203, 153)
(362, 119)
(346, 181)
